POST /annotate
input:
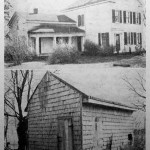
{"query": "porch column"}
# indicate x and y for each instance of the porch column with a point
(82, 43)
(37, 46)
(70, 40)
(54, 41)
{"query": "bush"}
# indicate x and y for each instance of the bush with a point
(107, 50)
(139, 50)
(91, 48)
(17, 52)
(63, 54)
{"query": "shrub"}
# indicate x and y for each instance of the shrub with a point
(91, 48)
(63, 54)
(17, 52)
(139, 50)
(107, 50)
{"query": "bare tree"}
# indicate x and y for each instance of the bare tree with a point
(18, 89)
(138, 89)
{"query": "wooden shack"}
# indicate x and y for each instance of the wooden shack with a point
(69, 111)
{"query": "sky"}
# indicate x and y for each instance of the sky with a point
(44, 6)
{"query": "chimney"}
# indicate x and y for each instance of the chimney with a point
(35, 10)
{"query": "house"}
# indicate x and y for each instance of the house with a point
(70, 110)
(43, 31)
(110, 22)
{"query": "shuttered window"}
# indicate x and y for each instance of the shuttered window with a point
(134, 19)
(128, 38)
(130, 17)
(105, 39)
(80, 20)
(124, 16)
(116, 16)
(125, 38)
(134, 38)
(99, 39)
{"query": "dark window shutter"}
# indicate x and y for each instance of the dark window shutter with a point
(107, 39)
(141, 38)
(134, 19)
(82, 20)
(120, 16)
(130, 17)
(129, 38)
(99, 39)
(134, 38)
(139, 18)
(79, 20)
(113, 16)
(125, 38)
(124, 16)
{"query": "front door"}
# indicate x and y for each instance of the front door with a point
(46, 45)
(117, 43)
(65, 137)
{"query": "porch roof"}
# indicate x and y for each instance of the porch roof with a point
(56, 29)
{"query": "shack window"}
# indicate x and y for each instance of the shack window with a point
(130, 139)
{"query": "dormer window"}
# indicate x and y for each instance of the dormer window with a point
(80, 20)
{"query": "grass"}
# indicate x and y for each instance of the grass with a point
(128, 59)
(133, 60)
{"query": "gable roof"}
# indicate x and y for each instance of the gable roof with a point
(104, 85)
(42, 17)
(81, 3)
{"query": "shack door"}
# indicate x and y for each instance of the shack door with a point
(65, 137)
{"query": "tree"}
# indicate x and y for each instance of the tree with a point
(138, 89)
(17, 90)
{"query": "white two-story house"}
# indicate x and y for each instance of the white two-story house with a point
(110, 22)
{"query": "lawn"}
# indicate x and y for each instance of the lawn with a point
(134, 61)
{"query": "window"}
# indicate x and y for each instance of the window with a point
(127, 17)
(116, 16)
(80, 20)
(105, 39)
(139, 38)
(137, 18)
(128, 38)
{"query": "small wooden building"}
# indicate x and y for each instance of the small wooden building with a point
(67, 113)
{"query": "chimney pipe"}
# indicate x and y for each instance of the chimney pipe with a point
(35, 10)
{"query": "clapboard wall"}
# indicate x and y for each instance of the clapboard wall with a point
(52, 99)
(101, 124)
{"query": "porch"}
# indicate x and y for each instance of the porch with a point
(43, 41)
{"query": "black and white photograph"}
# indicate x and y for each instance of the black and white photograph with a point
(75, 75)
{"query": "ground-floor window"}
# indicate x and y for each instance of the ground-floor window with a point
(132, 38)
(103, 39)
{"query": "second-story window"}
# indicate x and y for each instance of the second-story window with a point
(80, 20)
(116, 16)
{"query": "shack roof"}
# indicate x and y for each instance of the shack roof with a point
(105, 85)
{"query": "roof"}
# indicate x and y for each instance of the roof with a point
(42, 17)
(55, 28)
(81, 3)
(104, 85)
